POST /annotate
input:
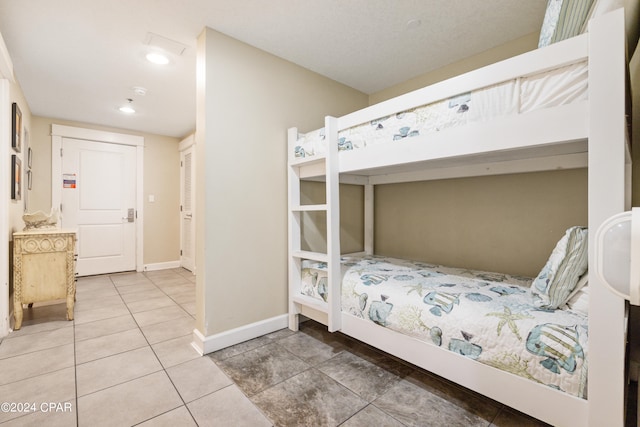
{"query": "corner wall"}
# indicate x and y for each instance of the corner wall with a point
(247, 99)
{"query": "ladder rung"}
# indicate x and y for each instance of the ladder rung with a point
(311, 302)
(309, 208)
(314, 256)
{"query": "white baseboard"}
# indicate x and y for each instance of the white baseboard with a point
(162, 266)
(211, 343)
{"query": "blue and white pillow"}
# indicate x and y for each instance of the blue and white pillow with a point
(560, 275)
(563, 19)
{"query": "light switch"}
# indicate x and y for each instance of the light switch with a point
(152, 198)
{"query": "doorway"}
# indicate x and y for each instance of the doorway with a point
(97, 185)
(187, 204)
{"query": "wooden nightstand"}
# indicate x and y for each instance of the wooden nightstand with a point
(43, 269)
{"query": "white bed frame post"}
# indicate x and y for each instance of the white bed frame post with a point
(368, 218)
(295, 234)
(333, 225)
(608, 153)
(327, 313)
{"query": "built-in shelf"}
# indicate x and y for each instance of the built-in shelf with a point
(309, 208)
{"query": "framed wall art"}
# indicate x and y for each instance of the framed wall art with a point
(16, 126)
(16, 178)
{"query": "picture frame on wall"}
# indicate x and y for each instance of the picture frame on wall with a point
(16, 177)
(27, 148)
(16, 126)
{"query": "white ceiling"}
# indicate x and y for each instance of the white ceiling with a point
(79, 59)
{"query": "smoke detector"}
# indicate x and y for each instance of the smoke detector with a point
(139, 90)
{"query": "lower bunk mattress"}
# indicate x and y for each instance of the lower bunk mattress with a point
(488, 317)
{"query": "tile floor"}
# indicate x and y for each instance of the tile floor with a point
(127, 360)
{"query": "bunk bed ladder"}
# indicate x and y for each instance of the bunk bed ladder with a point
(325, 312)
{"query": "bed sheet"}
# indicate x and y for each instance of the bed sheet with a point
(529, 93)
(487, 317)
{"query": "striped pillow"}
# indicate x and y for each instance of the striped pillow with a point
(599, 8)
(563, 19)
(560, 275)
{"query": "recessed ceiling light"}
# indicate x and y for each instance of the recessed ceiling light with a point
(127, 108)
(157, 58)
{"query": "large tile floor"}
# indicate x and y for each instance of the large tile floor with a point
(127, 360)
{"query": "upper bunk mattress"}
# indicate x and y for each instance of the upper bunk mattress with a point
(487, 317)
(529, 93)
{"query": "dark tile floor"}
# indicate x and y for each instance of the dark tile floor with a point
(314, 378)
(632, 405)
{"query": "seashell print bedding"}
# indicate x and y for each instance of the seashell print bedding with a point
(552, 88)
(488, 317)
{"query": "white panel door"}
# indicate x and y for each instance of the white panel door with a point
(99, 200)
(187, 220)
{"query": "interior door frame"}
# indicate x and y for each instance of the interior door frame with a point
(185, 144)
(58, 132)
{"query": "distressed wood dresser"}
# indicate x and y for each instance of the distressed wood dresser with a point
(43, 269)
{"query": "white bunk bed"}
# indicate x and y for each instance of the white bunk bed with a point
(591, 132)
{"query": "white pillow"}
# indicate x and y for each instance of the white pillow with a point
(563, 19)
(580, 301)
(550, 22)
(560, 275)
(584, 280)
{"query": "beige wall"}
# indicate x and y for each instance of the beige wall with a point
(314, 225)
(247, 99)
(507, 50)
(161, 179)
(161, 217)
(507, 223)
(16, 208)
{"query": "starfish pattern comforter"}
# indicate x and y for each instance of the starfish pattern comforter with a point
(487, 317)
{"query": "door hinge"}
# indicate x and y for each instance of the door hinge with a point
(60, 207)
(180, 208)
(60, 152)
(180, 252)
